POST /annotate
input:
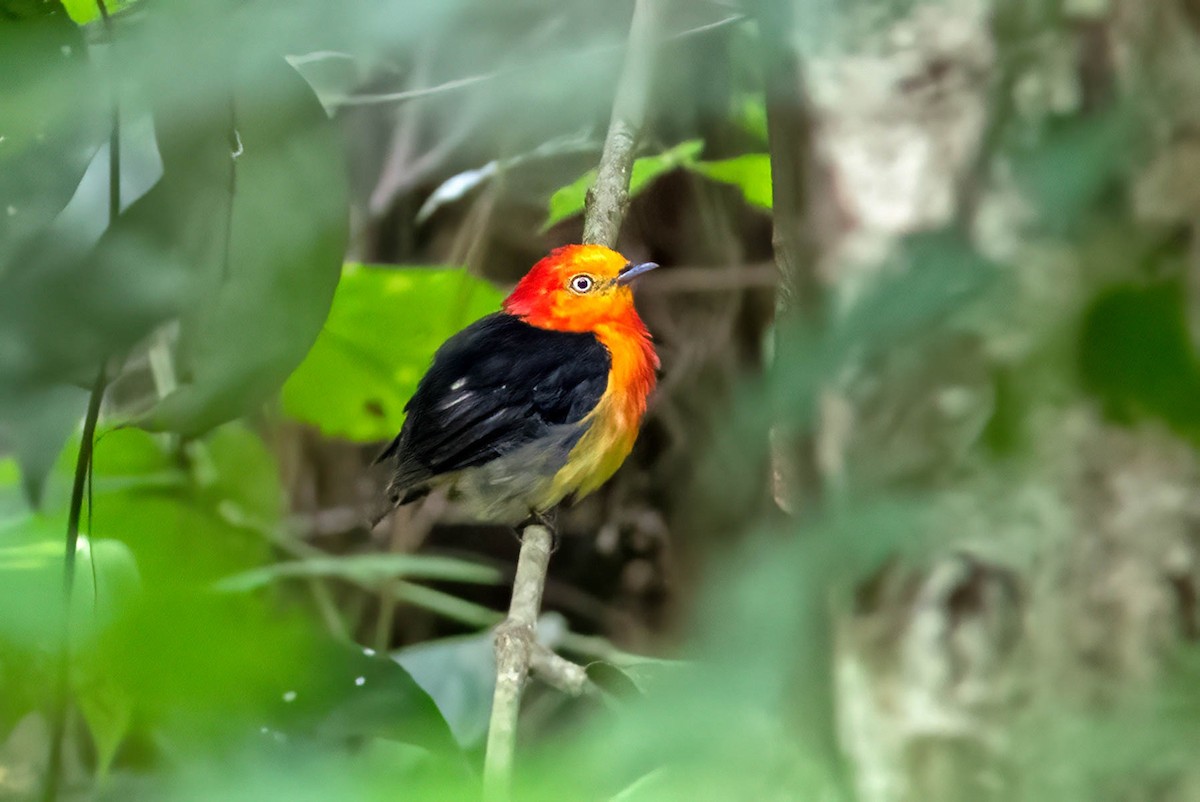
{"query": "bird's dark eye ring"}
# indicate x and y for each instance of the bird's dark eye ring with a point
(581, 283)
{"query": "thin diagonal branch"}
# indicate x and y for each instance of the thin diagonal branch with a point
(606, 203)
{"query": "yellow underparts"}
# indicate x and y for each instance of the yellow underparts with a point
(613, 424)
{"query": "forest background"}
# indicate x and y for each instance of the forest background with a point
(913, 515)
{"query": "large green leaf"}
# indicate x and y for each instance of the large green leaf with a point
(257, 200)
(569, 200)
(51, 124)
(379, 339)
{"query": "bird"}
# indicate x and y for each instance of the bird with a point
(535, 403)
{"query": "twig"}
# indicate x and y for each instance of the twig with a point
(568, 677)
(606, 202)
(411, 94)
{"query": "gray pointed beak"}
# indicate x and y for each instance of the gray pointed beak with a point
(633, 271)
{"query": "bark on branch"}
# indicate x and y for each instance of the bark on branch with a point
(517, 650)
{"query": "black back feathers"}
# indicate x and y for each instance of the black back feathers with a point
(495, 387)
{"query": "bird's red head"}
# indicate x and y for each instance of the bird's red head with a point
(579, 288)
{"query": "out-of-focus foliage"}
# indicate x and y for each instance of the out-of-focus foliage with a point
(85, 11)
(380, 337)
(569, 201)
(751, 173)
(218, 209)
(53, 124)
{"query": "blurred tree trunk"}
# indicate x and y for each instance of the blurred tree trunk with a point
(1074, 573)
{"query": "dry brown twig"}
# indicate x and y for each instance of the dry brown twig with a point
(516, 646)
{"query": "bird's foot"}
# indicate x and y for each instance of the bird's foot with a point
(548, 519)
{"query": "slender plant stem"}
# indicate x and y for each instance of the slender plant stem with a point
(606, 204)
(83, 467)
(81, 483)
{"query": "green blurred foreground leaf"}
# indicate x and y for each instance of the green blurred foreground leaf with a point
(380, 337)
(54, 120)
(268, 242)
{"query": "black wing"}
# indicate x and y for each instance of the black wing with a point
(495, 386)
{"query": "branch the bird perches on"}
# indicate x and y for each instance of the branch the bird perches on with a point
(516, 640)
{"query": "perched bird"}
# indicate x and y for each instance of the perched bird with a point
(536, 402)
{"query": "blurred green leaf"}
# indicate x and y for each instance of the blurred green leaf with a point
(107, 582)
(354, 694)
(107, 590)
(570, 200)
(34, 425)
(751, 173)
(1122, 327)
(1078, 158)
(267, 267)
(54, 120)
(85, 11)
(108, 710)
(460, 675)
(369, 570)
(31, 566)
(750, 113)
(171, 508)
(385, 325)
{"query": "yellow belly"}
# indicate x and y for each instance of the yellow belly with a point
(598, 454)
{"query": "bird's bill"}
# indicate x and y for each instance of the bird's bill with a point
(633, 271)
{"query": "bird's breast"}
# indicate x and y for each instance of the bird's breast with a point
(612, 425)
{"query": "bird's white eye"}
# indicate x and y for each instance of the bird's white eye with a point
(582, 283)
